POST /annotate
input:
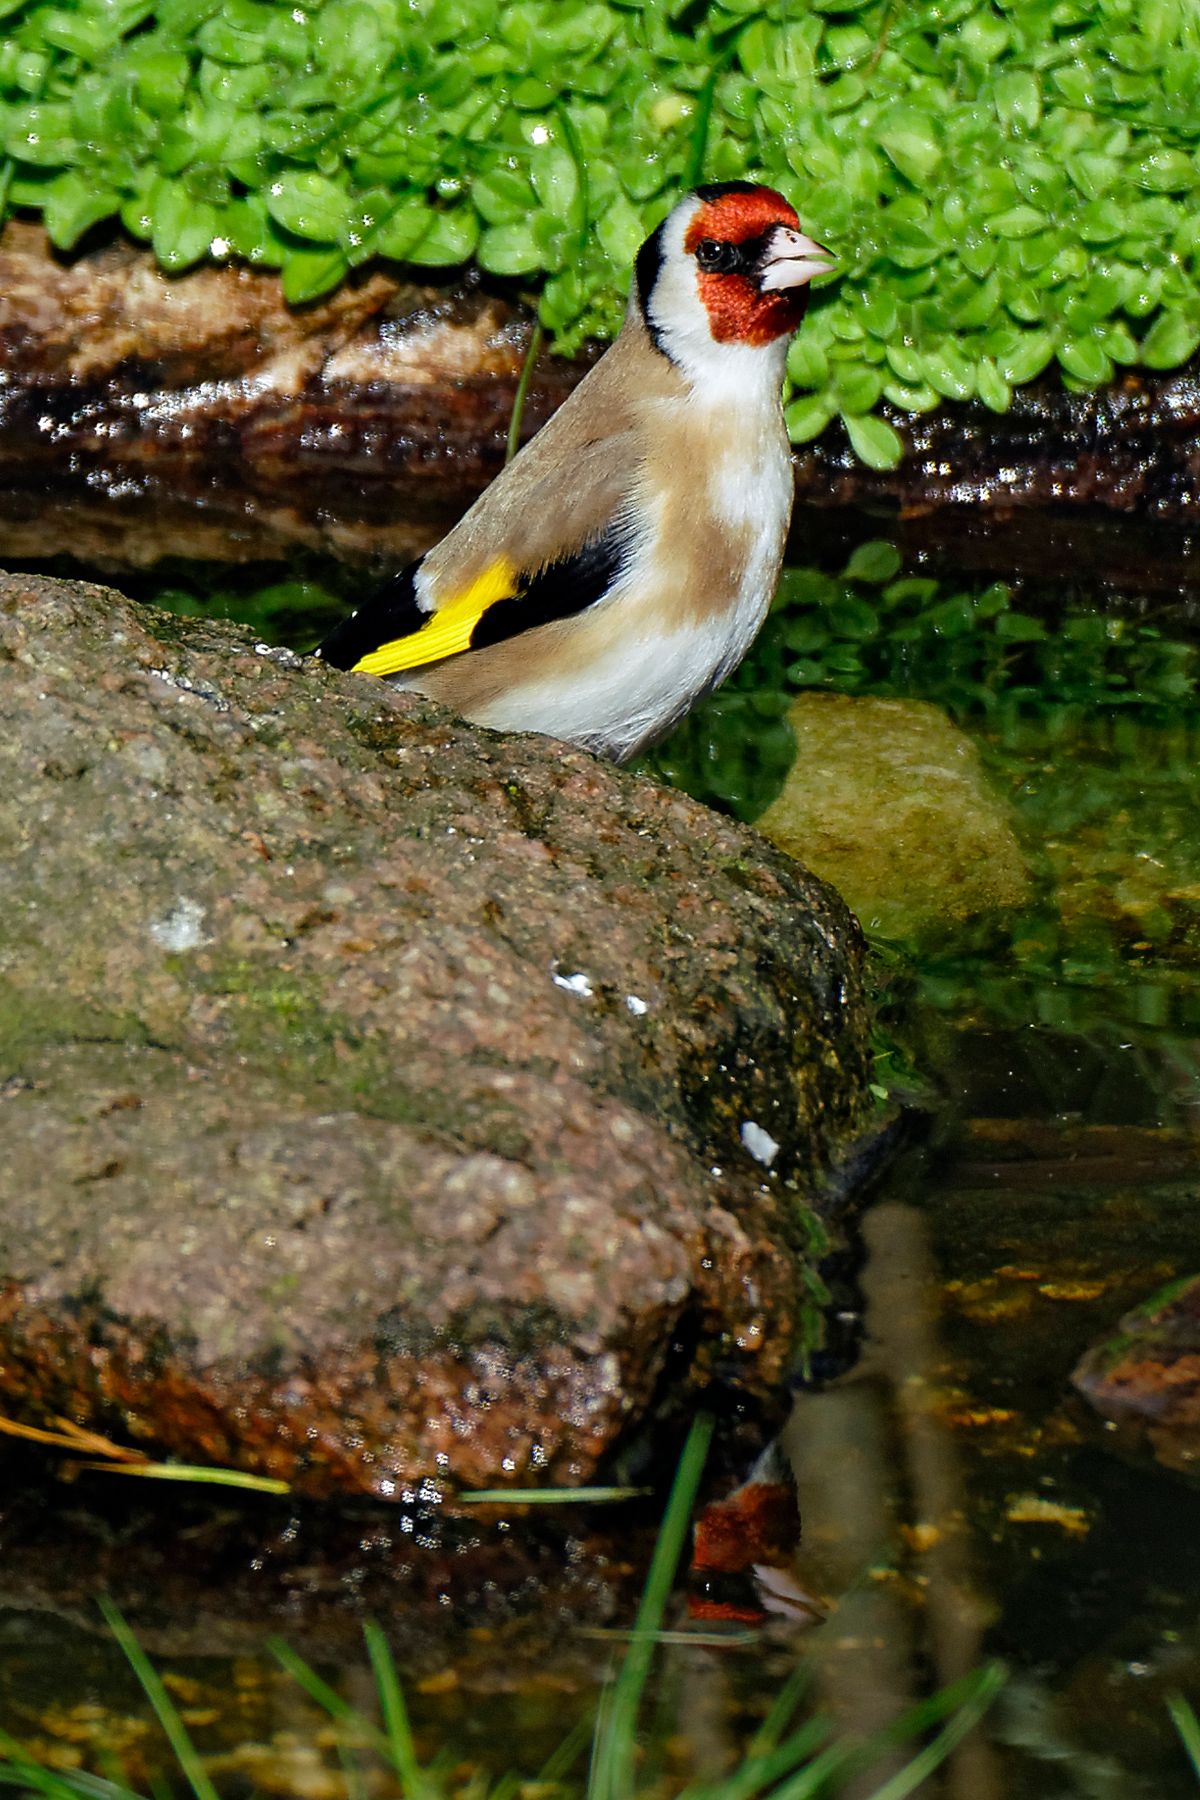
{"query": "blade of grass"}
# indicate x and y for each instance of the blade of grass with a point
(395, 1714)
(560, 1762)
(698, 144)
(805, 1783)
(988, 1682)
(57, 1784)
(770, 1732)
(925, 1713)
(194, 1472)
(352, 1775)
(186, 1754)
(518, 407)
(327, 1698)
(590, 1496)
(757, 1773)
(611, 1775)
(1188, 1726)
(597, 1761)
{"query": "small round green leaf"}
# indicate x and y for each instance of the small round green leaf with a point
(309, 205)
(876, 563)
(1170, 341)
(807, 418)
(509, 249)
(873, 440)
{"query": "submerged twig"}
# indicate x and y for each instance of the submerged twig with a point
(68, 1436)
(123, 1459)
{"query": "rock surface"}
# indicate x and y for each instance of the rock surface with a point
(887, 800)
(1146, 1380)
(375, 1090)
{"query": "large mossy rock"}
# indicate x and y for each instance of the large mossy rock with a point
(888, 800)
(376, 1091)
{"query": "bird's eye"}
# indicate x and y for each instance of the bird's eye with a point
(716, 258)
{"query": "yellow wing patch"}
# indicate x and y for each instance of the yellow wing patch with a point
(449, 629)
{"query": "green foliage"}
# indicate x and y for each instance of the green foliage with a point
(1010, 184)
(284, 612)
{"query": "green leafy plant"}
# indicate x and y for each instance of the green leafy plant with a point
(1184, 1719)
(1010, 185)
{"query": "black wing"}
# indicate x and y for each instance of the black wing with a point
(390, 613)
(558, 590)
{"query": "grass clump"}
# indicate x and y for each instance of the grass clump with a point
(1011, 185)
(785, 1760)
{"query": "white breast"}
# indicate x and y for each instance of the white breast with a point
(633, 673)
(753, 496)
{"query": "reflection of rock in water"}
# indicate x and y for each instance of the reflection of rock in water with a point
(381, 1086)
(500, 1595)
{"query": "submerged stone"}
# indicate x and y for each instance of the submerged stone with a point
(377, 1090)
(1146, 1379)
(887, 800)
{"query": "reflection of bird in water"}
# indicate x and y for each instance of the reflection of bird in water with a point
(622, 564)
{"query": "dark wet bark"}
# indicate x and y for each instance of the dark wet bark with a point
(142, 417)
(1132, 447)
(201, 417)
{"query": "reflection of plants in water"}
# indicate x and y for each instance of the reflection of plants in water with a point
(786, 1759)
(1086, 722)
(296, 613)
(972, 651)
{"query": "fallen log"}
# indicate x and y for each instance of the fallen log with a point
(143, 416)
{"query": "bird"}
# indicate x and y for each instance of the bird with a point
(620, 566)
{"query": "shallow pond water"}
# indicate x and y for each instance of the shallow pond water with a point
(960, 1500)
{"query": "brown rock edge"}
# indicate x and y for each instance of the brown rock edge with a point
(372, 1087)
(199, 416)
(1146, 1379)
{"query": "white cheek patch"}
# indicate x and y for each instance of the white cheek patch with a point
(739, 376)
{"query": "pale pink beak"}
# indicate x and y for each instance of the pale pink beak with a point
(791, 259)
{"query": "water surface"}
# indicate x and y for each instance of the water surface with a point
(1048, 1057)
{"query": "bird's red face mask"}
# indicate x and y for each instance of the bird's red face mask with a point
(753, 265)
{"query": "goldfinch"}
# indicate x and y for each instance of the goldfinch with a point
(620, 566)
